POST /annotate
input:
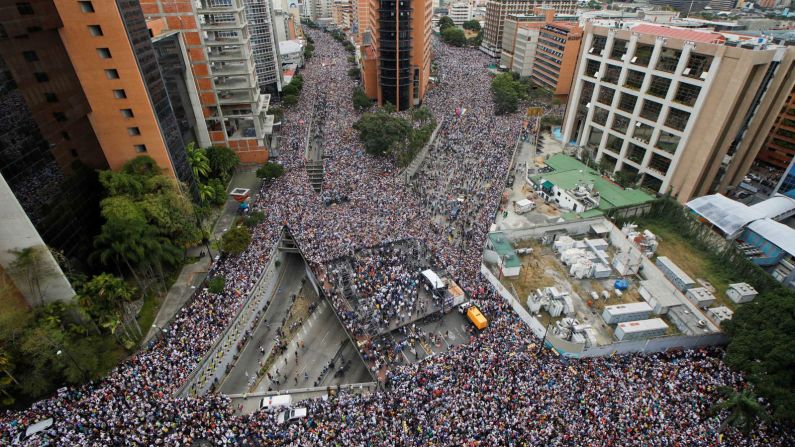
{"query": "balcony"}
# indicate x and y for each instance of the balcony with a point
(600, 116)
(599, 44)
(214, 40)
(230, 69)
(236, 97)
(677, 119)
(219, 6)
(636, 153)
(634, 80)
(223, 25)
(669, 59)
(239, 83)
(642, 133)
(592, 68)
(698, 66)
(619, 50)
(229, 53)
(605, 95)
(642, 55)
(627, 102)
(614, 143)
(612, 74)
(667, 142)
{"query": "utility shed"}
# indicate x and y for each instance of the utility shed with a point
(640, 330)
(626, 312)
(741, 292)
(700, 296)
(660, 295)
(677, 276)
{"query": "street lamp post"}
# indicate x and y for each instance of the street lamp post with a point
(544, 340)
(77, 365)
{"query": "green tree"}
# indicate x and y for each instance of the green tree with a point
(289, 100)
(507, 91)
(270, 171)
(198, 161)
(223, 162)
(762, 347)
(216, 284)
(253, 219)
(445, 23)
(743, 407)
(454, 36)
(360, 100)
(472, 25)
(354, 73)
(381, 132)
(298, 80)
(422, 114)
(290, 89)
(31, 264)
(236, 240)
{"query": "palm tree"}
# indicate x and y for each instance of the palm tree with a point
(743, 407)
(206, 192)
(198, 161)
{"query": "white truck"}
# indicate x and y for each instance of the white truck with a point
(291, 415)
(524, 206)
(278, 401)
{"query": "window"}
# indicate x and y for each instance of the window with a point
(650, 110)
(30, 56)
(627, 102)
(614, 143)
(634, 79)
(133, 131)
(642, 55)
(104, 53)
(669, 59)
(600, 116)
(51, 97)
(667, 141)
(127, 113)
(611, 74)
(605, 95)
(41, 77)
(677, 119)
(73, 152)
(66, 135)
(112, 73)
(86, 6)
(620, 123)
(659, 86)
(687, 94)
(24, 8)
(619, 49)
(140, 148)
(59, 116)
(636, 153)
(95, 30)
(119, 94)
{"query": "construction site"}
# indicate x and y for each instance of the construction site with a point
(598, 285)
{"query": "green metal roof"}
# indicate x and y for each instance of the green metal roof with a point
(504, 248)
(569, 172)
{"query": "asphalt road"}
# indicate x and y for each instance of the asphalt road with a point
(247, 364)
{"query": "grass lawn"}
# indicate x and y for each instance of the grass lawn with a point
(695, 262)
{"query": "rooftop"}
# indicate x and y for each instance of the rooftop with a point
(504, 248)
(569, 172)
(777, 233)
(679, 33)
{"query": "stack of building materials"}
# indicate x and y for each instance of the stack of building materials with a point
(627, 263)
(741, 293)
(700, 296)
(563, 243)
(571, 330)
(645, 240)
(586, 259)
(552, 300)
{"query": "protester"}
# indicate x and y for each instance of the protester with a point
(499, 389)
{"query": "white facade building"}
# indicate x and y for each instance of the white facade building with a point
(460, 12)
(263, 44)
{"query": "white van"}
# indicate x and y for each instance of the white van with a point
(291, 415)
(524, 205)
(278, 401)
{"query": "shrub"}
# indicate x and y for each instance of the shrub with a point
(216, 284)
(270, 171)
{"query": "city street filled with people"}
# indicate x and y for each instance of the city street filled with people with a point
(500, 388)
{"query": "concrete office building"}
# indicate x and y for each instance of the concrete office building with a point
(396, 63)
(779, 147)
(459, 12)
(684, 111)
(498, 10)
(342, 13)
(261, 23)
(546, 50)
(218, 39)
(320, 9)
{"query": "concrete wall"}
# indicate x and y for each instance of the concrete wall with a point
(17, 232)
(221, 354)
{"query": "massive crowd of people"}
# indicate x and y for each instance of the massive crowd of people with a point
(498, 390)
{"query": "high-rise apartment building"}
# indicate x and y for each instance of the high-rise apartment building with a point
(360, 17)
(786, 185)
(397, 62)
(460, 12)
(320, 9)
(682, 111)
(218, 37)
(543, 47)
(779, 147)
(498, 10)
(342, 13)
(264, 45)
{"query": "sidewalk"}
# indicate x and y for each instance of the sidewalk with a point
(192, 275)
